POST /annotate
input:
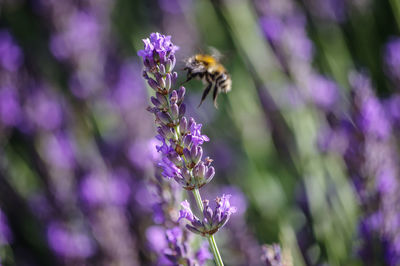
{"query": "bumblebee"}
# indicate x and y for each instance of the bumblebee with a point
(208, 69)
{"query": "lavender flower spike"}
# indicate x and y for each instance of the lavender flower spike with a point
(212, 220)
(181, 138)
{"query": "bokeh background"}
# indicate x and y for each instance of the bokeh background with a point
(306, 141)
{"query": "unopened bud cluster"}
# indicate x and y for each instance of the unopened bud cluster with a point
(212, 220)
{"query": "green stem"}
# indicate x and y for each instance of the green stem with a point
(211, 239)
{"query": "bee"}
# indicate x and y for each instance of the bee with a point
(208, 69)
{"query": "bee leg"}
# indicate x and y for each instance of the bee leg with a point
(205, 93)
(215, 95)
(189, 77)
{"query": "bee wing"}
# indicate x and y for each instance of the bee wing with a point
(215, 53)
(221, 57)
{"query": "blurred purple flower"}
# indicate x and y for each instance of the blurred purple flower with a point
(175, 6)
(372, 164)
(372, 118)
(328, 10)
(10, 53)
(298, 44)
(156, 238)
(128, 91)
(203, 254)
(44, 110)
(333, 140)
(82, 34)
(10, 110)
(59, 151)
(324, 92)
(392, 59)
(98, 189)
(284, 27)
(273, 27)
(6, 235)
(272, 255)
(70, 244)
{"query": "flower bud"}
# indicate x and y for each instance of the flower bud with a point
(163, 57)
(168, 82)
(166, 132)
(164, 118)
(174, 97)
(207, 212)
(187, 140)
(186, 175)
(174, 111)
(181, 93)
(183, 125)
(195, 153)
(209, 174)
(174, 77)
(161, 98)
(176, 159)
(153, 84)
(161, 69)
(199, 172)
(170, 63)
(186, 153)
(146, 63)
(191, 122)
(155, 102)
(160, 80)
(145, 76)
(182, 110)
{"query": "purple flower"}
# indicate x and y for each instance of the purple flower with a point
(272, 255)
(195, 131)
(81, 34)
(156, 237)
(212, 220)
(331, 10)
(144, 153)
(169, 168)
(5, 232)
(59, 151)
(203, 254)
(273, 27)
(392, 58)
(44, 110)
(372, 118)
(393, 108)
(175, 6)
(186, 212)
(324, 92)
(68, 243)
(372, 164)
(10, 110)
(10, 53)
(159, 45)
(98, 189)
